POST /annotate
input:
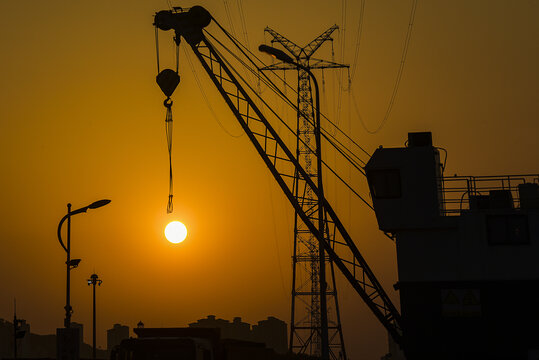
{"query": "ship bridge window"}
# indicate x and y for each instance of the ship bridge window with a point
(385, 184)
(510, 229)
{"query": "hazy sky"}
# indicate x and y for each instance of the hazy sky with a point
(82, 119)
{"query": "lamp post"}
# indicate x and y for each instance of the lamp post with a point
(281, 55)
(94, 280)
(72, 263)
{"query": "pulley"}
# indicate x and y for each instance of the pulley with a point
(168, 80)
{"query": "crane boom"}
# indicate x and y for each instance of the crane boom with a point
(282, 164)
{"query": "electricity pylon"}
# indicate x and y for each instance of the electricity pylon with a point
(308, 325)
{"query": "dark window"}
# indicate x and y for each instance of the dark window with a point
(508, 229)
(385, 184)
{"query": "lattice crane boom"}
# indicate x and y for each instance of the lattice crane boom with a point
(282, 164)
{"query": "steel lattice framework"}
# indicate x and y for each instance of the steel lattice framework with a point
(283, 166)
(308, 325)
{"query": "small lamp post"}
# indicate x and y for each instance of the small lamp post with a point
(72, 263)
(94, 280)
(281, 55)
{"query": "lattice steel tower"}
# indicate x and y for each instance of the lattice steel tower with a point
(310, 330)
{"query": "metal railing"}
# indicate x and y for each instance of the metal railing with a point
(456, 191)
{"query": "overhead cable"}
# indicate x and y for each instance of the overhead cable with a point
(233, 69)
(399, 73)
(244, 51)
(276, 90)
(358, 41)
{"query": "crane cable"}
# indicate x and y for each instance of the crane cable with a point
(168, 131)
(157, 48)
(168, 80)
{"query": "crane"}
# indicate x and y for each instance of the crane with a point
(283, 165)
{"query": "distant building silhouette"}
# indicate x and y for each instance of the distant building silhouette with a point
(33, 346)
(240, 330)
(116, 335)
(229, 330)
(272, 332)
(6, 339)
(81, 332)
(23, 343)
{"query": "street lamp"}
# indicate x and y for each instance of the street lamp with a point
(94, 280)
(72, 263)
(281, 55)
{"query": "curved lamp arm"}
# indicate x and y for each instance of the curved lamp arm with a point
(60, 231)
(94, 205)
(284, 57)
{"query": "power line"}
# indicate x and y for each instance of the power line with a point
(243, 23)
(358, 41)
(229, 16)
(249, 55)
(273, 87)
(277, 91)
(399, 73)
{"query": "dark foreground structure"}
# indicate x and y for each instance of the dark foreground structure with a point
(191, 344)
(467, 251)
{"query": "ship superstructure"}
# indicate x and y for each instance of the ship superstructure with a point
(467, 251)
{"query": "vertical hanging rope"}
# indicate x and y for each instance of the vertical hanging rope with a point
(168, 128)
(177, 55)
(168, 80)
(157, 48)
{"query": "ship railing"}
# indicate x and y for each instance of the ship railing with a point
(458, 193)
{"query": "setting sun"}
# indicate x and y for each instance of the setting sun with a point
(175, 232)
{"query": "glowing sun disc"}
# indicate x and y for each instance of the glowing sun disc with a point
(175, 232)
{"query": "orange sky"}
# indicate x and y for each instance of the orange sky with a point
(82, 119)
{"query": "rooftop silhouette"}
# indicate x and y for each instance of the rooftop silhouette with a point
(272, 331)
